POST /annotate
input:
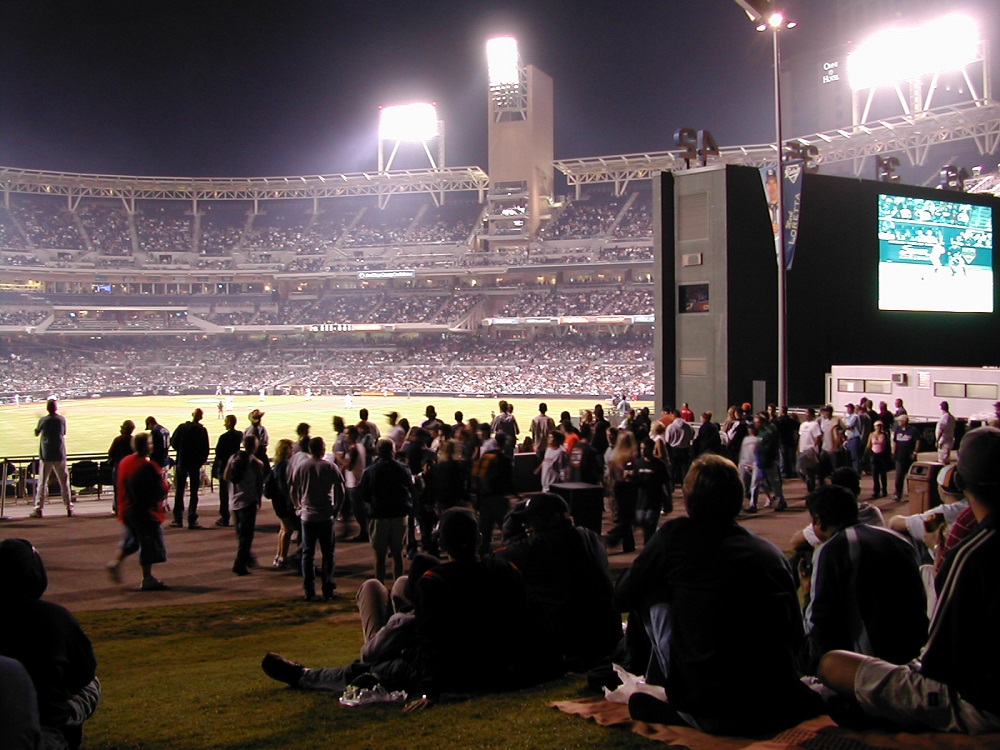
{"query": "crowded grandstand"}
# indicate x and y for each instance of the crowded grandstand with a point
(106, 295)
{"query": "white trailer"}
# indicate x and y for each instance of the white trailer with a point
(971, 392)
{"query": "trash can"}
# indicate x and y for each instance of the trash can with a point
(922, 486)
(586, 503)
(525, 478)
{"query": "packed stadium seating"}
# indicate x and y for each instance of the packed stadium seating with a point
(113, 291)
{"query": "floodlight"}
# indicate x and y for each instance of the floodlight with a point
(408, 122)
(776, 20)
(503, 61)
(896, 55)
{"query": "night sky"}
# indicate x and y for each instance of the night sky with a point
(224, 88)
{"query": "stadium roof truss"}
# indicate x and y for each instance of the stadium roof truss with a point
(436, 182)
(912, 134)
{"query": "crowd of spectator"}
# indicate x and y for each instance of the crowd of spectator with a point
(295, 238)
(547, 365)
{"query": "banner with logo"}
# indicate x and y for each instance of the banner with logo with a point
(791, 197)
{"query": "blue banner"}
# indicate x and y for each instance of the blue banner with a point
(791, 197)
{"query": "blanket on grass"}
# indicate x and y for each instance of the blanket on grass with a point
(820, 733)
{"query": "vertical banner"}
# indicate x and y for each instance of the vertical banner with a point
(791, 197)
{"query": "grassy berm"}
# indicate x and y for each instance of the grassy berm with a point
(189, 677)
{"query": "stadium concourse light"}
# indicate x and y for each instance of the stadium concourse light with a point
(503, 61)
(896, 55)
(768, 18)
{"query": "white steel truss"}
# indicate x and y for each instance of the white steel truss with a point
(912, 134)
(195, 189)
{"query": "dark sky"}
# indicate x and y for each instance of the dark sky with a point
(219, 88)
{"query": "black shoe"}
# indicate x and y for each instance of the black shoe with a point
(310, 596)
(329, 594)
(222, 522)
(751, 509)
(781, 505)
(176, 525)
(651, 710)
(241, 570)
(281, 669)
(195, 525)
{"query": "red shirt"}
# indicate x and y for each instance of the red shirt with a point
(141, 484)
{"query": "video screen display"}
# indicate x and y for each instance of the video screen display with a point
(934, 256)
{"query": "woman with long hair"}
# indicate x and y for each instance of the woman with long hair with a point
(277, 487)
(624, 491)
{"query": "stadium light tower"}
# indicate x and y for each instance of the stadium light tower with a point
(767, 18)
(898, 57)
(409, 123)
(508, 82)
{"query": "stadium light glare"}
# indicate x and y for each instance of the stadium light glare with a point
(502, 61)
(901, 54)
(408, 122)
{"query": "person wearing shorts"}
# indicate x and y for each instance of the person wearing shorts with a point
(954, 684)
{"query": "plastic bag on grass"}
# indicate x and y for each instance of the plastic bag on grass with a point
(632, 684)
(358, 695)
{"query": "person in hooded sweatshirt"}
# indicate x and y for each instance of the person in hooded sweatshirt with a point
(49, 642)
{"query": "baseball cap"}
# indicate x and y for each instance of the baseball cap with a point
(947, 480)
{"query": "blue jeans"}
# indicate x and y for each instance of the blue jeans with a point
(321, 532)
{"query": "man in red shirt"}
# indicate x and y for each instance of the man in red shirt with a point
(141, 490)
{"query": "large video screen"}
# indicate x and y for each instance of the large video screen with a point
(934, 255)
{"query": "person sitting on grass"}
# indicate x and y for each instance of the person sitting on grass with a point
(954, 685)
(719, 607)
(865, 592)
(49, 642)
(473, 630)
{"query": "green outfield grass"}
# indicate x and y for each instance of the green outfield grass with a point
(93, 423)
(189, 677)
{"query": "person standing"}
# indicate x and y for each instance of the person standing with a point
(905, 438)
(245, 473)
(386, 488)
(160, 436)
(807, 456)
(190, 443)
(121, 446)
(879, 449)
(317, 490)
(259, 432)
(51, 434)
(944, 434)
(540, 428)
(227, 446)
(141, 491)
(352, 463)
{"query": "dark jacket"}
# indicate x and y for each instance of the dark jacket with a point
(190, 440)
(386, 489)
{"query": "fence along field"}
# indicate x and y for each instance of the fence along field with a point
(93, 423)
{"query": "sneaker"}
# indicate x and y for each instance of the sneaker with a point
(281, 669)
(153, 584)
(36, 513)
(114, 571)
(279, 563)
(69, 511)
(221, 522)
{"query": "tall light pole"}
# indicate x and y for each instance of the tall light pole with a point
(763, 13)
